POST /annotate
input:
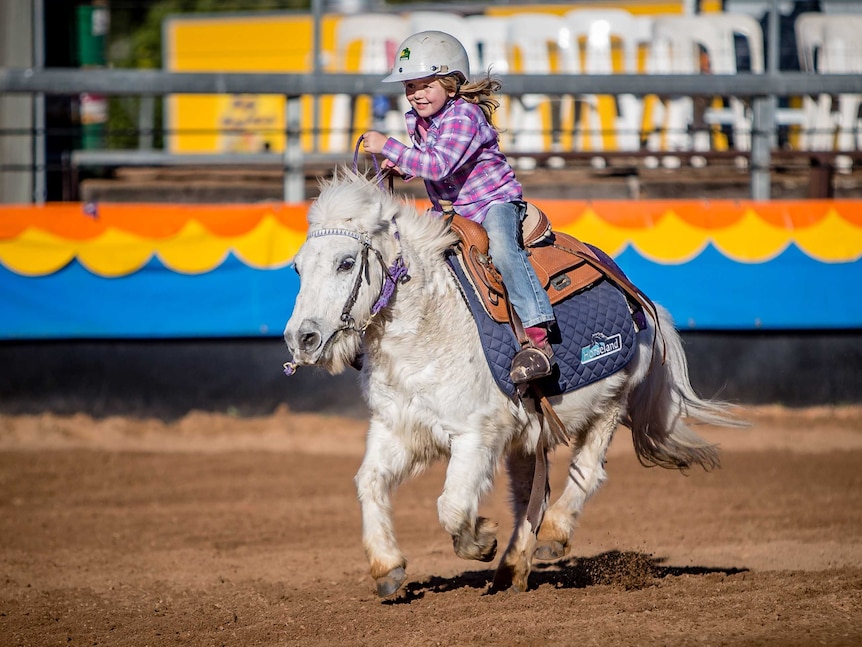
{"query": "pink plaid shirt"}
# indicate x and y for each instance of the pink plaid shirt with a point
(459, 159)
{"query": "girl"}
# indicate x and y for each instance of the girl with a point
(456, 152)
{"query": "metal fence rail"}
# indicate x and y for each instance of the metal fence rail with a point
(761, 89)
(159, 83)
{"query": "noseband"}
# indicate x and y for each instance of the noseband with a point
(394, 274)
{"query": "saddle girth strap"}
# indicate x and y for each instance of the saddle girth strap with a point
(540, 488)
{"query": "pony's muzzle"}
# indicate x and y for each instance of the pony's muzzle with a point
(305, 341)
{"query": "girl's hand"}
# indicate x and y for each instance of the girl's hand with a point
(373, 142)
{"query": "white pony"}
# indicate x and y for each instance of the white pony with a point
(432, 396)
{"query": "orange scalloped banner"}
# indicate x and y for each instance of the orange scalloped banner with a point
(118, 239)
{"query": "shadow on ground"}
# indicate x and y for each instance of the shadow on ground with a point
(624, 569)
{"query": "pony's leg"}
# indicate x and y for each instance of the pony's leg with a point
(469, 476)
(384, 467)
(586, 476)
(514, 569)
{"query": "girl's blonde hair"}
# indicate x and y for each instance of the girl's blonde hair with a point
(480, 92)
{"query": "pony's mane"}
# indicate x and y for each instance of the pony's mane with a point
(353, 201)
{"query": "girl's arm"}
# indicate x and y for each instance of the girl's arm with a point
(458, 138)
(373, 143)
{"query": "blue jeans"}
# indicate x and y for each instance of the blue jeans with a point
(530, 301)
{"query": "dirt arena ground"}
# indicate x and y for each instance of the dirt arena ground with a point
(218, 530)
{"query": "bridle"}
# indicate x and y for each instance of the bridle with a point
(393, 275)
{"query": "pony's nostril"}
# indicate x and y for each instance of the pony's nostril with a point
(303, 338)
(309, 341)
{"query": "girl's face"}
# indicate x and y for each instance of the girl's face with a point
(426, 95)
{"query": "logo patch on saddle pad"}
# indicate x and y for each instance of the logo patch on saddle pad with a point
(602, 346)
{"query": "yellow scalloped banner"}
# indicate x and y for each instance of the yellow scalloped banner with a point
(193, 250)
(753, 240)
(36, 253)
(832, 240)
(666, 232)
(749, 237)
(652, 243)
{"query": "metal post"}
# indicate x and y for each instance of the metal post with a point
(146, 123)
(761, 143)
(294, 173)
(763, 118)
(317, 18)
(40, 182)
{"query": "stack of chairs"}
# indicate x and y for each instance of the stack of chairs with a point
(613, 41)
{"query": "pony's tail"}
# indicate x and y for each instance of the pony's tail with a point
(660, 403)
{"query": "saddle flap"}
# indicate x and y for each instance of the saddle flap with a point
(482, 273)
(536, 227)
(472, 234)
(561, 268)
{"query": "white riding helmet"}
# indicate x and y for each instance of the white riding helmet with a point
(429, 53)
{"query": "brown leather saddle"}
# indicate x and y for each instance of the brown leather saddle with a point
(564, 264)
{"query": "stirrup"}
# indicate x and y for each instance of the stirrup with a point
(529, 364)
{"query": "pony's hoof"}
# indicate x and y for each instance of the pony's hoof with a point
(391, 582)
(507, 581)
(548, 551)
(490, 553)
(471, 550)
(479, 544)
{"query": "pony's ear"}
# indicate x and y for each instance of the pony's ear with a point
(385, 214)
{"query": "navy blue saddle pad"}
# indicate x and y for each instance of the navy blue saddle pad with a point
(596, 336)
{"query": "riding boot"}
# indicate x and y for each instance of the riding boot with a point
(535, 360)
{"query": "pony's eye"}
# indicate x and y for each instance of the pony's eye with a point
(346, 264)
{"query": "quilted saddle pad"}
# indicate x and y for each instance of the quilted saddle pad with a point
(596, 336)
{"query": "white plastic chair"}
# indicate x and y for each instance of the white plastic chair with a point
(842, 54)
(451, 23)
(673, 51)
(601, 30)
(810, 31)
(815, 118)
(730, 25)
(378, 36)
(492, 48)
(491, 34)
(537, 40)
(676, 49)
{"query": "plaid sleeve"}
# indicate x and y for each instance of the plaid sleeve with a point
(458, 137)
